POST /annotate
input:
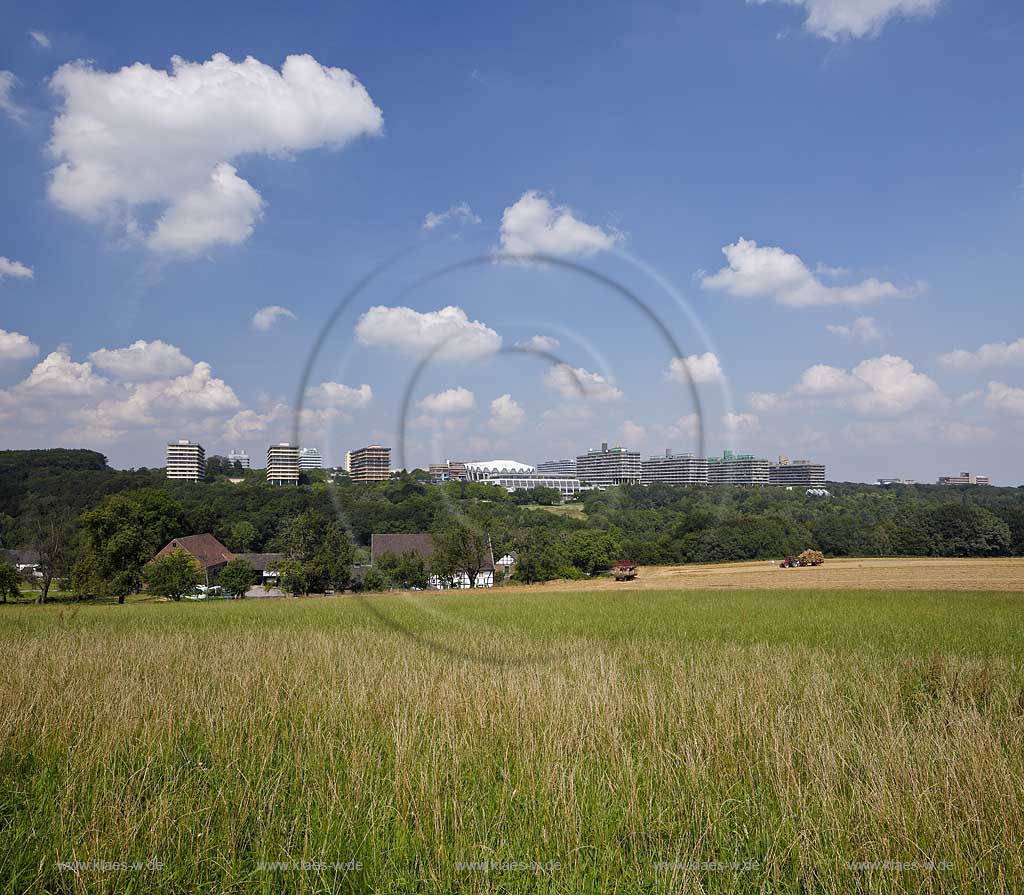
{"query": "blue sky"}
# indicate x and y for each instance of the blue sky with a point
(861, 160)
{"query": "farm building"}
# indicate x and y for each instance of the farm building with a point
(422, 545)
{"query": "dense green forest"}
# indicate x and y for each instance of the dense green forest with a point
(657, 524)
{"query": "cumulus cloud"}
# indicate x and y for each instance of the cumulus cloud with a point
(249, 423)
(58, 376)
(686, 427)
(963, 433)
(1005, 398)
(545, 344)
(886, 384)
(460, 213)
(449, 331)
(533, 225)
(7, 104)
(740, 422)
(991, 354)
(841, 19)
(863, 329)
(506, 414)
(339, 396)
(142, 360)
(15, 346)
(16, 269)
(141, 137)
(755, 271)
(633, 433)
(265, 318)
(576, 382)
(699, 368)
(453, 400)
(762, 401)
(41, 39)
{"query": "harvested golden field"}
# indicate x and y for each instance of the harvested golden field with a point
(898, 573)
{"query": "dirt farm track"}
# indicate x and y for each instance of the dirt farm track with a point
(838, 574)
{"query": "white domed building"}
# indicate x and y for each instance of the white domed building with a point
(482, 470)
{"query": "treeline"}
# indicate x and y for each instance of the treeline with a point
(79, 514)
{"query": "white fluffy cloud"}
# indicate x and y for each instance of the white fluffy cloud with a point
(840, 19)
(886, 384)
(9, 268)
(741, 422)
(633, 433)
(762, 401)
(506, 414)
(7, 104)
(265, 318)
(15, 346)
(700, 367)
(142, 137)
(142, 360)
(453, 400)
(533, 225)
(449, 331)
(685, 427)
(757, 271)
(460, 213)
(1005, 398)
(58, 376)
(991, 354)
(575, 383)
(545, 344)
(963, 433)
(41, 39)
(864, 329)
(339, 396)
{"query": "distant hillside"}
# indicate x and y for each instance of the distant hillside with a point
(74, 479)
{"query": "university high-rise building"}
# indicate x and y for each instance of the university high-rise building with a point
(448, 471)
(283, 464)
(674, 469)
(737, 469)
(370, 464)
(796, 472)
(607, 466)
(186, 461)
(566, 468)
(309, 458)
(239, 457)
(965, 478)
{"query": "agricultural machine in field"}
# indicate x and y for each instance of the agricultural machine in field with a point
(624, 570)
(807, 558)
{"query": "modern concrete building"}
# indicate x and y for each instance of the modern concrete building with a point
(448, 471)
(674, 469)
(239, 457)
(283, 464)
(567, 486)
(965, 478)
(309, 458)
(481, 470)
(186, 461)
(370, 464)
(887, 482)
(796, 472)
(605, 466)
(737, 469)
(565, 468)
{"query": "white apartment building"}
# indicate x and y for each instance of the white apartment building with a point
(283, 464)
(369, 464)
(186, 461)
(674, 469)
(239, 457)
(965, 478)
(796, 472)
(737, 469)
(605, 466)
(309, 458)
(566, 468)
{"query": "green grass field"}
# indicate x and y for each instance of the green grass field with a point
(743, 741)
